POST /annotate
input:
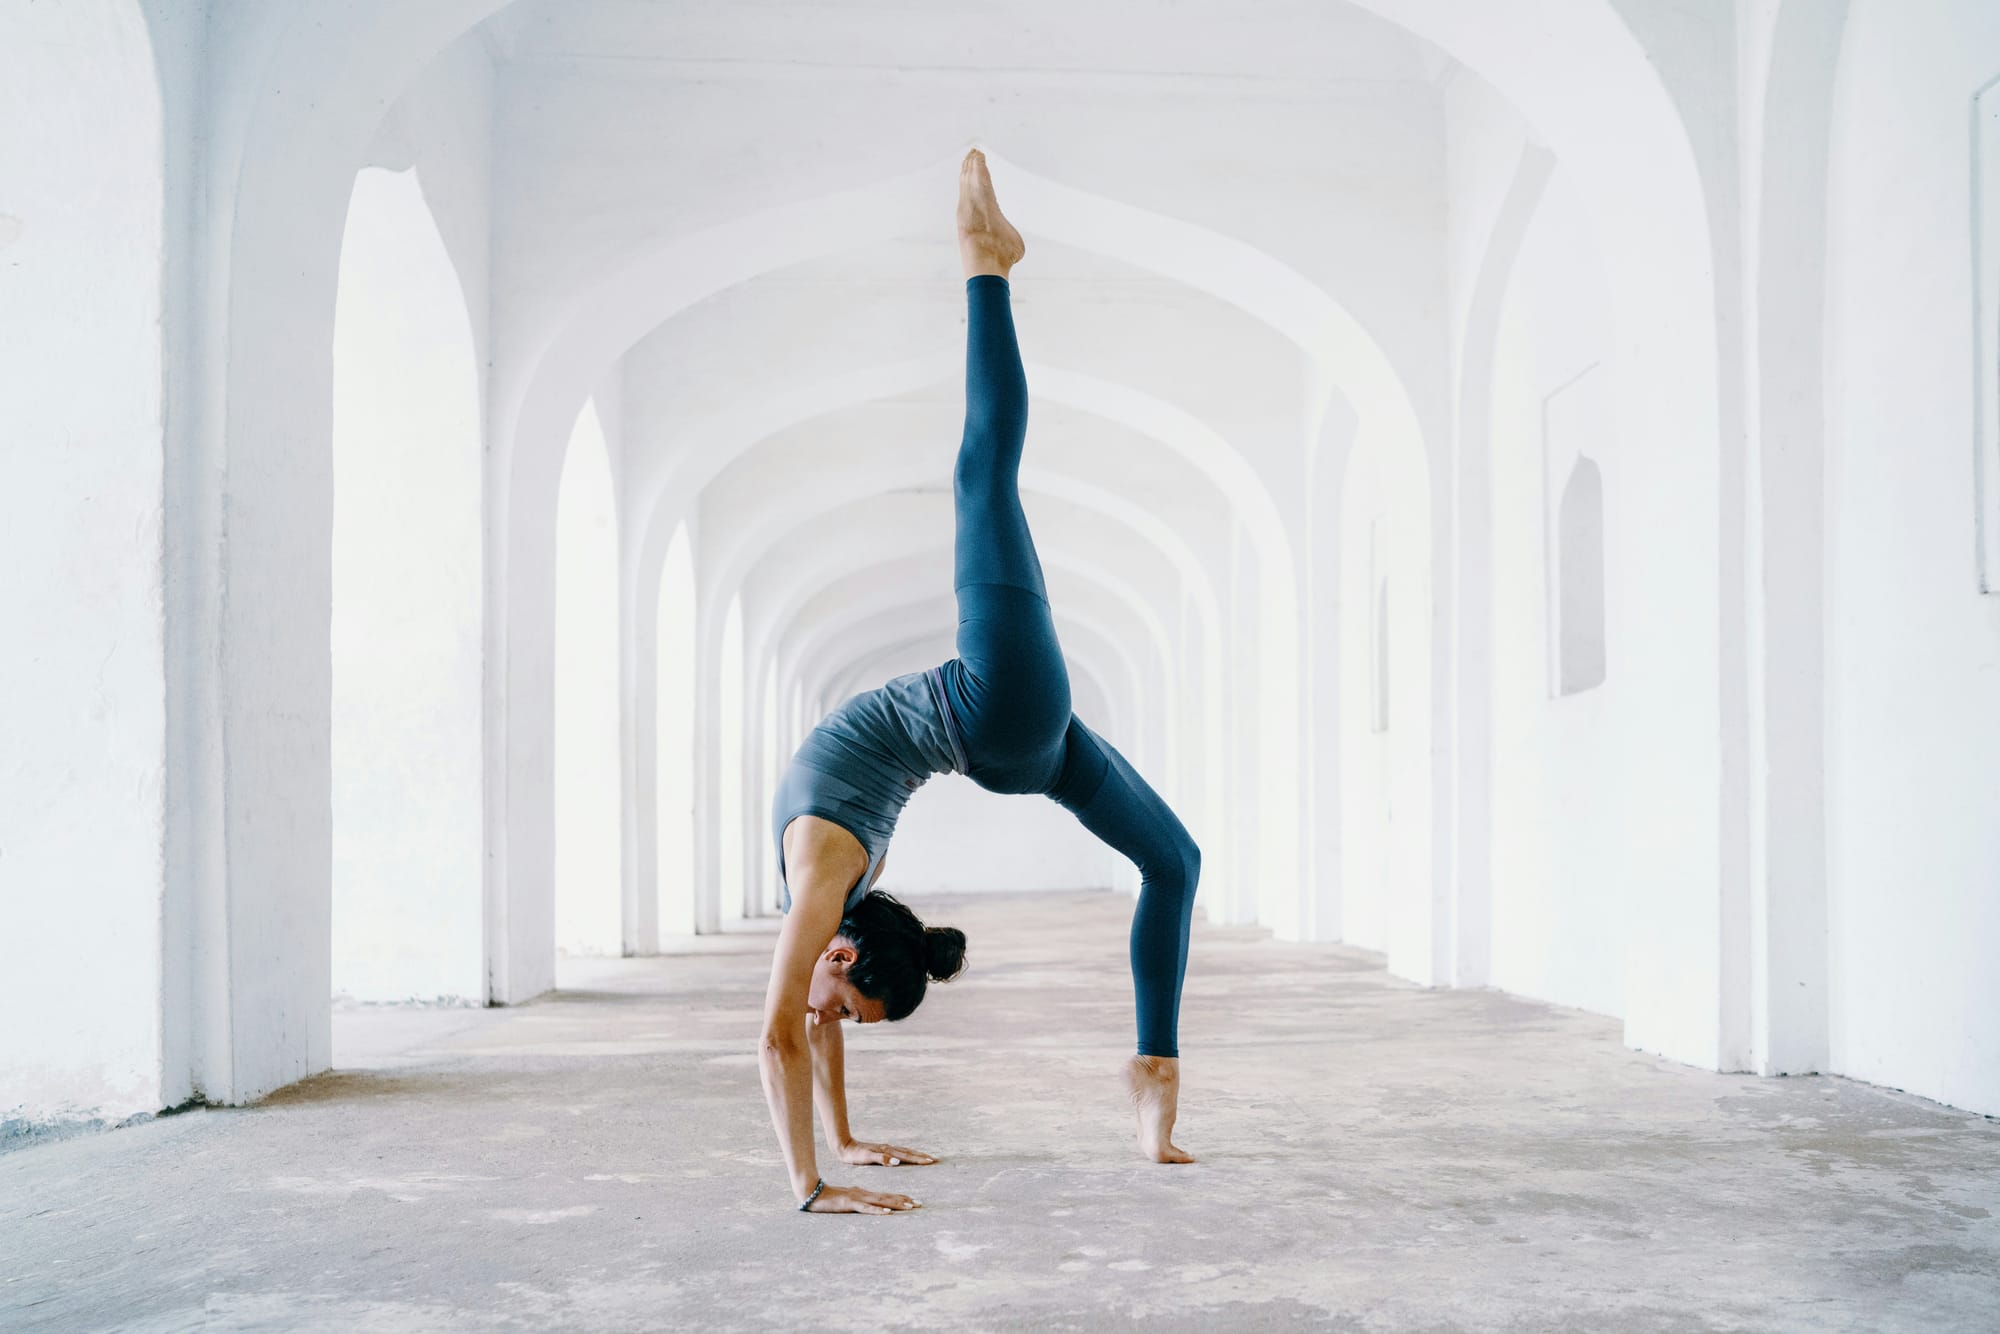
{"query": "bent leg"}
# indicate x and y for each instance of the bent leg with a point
(1102, 789)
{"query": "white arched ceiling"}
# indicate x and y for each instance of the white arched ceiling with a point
(606, 318)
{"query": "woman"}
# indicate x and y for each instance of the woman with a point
(1000, 714)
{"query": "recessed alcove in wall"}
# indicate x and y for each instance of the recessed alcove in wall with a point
(1986, 338)
(1378, 631)
(1575, 416)
(1580, 576)
(1379, 703)
(406, 726)
(589, 900)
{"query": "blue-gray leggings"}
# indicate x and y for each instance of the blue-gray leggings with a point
(1009, 689)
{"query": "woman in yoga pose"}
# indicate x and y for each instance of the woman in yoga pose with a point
(998, 713)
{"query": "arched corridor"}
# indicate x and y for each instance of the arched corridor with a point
(1519, 481)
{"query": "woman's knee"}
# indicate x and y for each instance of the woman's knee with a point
(1190, 862)
(1175, 866)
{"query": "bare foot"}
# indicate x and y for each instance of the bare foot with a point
(987, 242)
(1155, 1085)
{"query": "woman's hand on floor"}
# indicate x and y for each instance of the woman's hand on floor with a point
(860, 1153)
(854, 1200)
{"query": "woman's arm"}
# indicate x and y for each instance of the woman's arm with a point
(816, 863)
(783, 1058)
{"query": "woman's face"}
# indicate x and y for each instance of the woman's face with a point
(831, 998)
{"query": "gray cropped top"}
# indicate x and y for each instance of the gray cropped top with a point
(862, 764)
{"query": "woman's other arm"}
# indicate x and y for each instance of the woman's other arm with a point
(819, 869)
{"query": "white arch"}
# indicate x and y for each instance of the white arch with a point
(407, 745)
(588, 901)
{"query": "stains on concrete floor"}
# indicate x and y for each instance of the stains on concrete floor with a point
(1373, 1157)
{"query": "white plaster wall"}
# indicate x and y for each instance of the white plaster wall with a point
(1388, 892)
(1913, 688)
(1561, 770)
(82, 715)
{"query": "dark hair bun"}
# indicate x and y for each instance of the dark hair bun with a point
(944, 952)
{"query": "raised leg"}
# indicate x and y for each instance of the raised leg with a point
(993, 544)
(1009, 688)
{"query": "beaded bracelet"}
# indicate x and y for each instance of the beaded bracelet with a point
(807, 1206)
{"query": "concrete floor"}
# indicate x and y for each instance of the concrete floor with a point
(1373, 1156)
